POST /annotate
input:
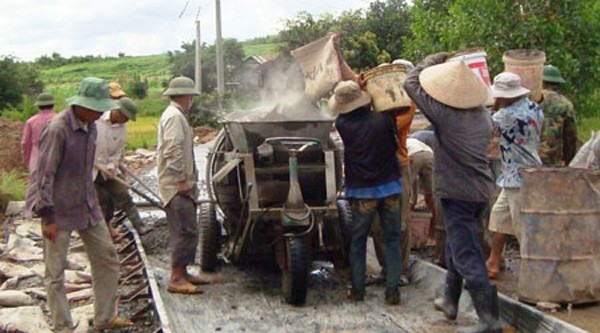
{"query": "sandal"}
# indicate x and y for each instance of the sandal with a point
(118, 322)
(196, 280)
(186, 289)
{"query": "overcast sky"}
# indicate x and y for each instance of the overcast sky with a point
(31, 28)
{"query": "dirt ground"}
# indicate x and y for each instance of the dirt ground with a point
(10, 149)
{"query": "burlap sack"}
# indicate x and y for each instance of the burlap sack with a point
(321, 64)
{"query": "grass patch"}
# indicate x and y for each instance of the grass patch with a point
(13, 186)
(585, 126)
(261, 49)
(142, 133)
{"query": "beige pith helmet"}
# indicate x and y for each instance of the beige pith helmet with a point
(181, 86)
(347, 97)
(115, 90)
(454, 84)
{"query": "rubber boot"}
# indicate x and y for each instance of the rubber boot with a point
(448, 303)
(485, 301)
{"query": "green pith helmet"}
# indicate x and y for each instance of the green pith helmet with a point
(552, 75)
(181, 86)
(44, 99)
(127, 107)
(93, 95)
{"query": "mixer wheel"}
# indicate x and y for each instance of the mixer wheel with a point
(210, 236)
(294, 280)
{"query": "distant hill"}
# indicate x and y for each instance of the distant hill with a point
(62, 81)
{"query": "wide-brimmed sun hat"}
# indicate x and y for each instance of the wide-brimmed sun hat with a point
(454, 84)
(44, 99)
(508, 85)
(181, 86)
(115, 90)
(93, 95)
(552, 75)
(347, 97)
(127, 107)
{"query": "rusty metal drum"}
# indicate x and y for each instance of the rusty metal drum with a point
(560, 249)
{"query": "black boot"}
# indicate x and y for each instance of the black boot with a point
(448, 304)
(485, 301)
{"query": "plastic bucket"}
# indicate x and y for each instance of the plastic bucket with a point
(385, 84)
(476, 60)
(560, 240)
(529, 65)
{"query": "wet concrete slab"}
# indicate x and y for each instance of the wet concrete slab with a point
(250, 300)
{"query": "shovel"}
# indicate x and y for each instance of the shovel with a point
(152, 201)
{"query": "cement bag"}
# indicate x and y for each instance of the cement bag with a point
(14, 298)
(560, 242)
(321, 64)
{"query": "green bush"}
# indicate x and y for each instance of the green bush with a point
(138, 87)
(13, 186)
(26, 111)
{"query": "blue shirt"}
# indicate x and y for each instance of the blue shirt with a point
(375, 192)
(519, 126)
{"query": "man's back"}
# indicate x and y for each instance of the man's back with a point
(369, 148)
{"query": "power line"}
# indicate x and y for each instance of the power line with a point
(184, 8)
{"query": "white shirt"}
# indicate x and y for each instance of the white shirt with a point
(110, 143)
(415, 146)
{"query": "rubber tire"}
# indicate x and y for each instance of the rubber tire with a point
(294, 279)
(210, 237)
(345, 219)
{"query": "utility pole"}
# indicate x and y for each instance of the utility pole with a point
(198, 69)
(220, 76)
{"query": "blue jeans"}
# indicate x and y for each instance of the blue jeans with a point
(363, 212)
(464, 255)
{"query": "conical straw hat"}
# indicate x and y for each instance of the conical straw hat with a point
(454, 84)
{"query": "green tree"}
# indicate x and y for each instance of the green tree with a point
(17, 79)
(305, 28)
(368, 38)
(562, 29)
(182, 61)
(390, 21)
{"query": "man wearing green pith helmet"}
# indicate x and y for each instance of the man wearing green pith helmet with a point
(559, 140)
(178, 183)
(65, 199)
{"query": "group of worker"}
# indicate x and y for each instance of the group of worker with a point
(453, 164)
(77, 181)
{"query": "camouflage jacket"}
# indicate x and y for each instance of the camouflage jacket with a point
(559, 138)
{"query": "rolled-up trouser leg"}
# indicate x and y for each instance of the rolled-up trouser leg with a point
(183, 230)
